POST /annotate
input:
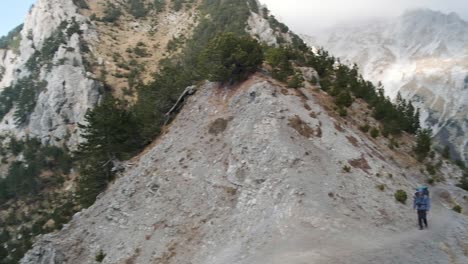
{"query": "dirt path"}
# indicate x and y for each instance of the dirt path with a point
(446, 233)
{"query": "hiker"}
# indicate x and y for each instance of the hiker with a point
(422, 203)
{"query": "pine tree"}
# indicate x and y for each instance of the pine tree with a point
(229, 58)
(423, 143)
(111, 134)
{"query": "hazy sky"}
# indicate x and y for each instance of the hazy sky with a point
(12, 13)
(305, 16)
(302, 16)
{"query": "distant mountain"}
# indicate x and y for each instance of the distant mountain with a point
(424, 55)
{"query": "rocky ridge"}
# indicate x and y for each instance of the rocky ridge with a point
(421, 54)
(266, 174)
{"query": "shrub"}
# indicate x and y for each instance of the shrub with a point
(8, 41)
(141, 51)
(401, 196)
(81, 4)
(342, 111)
(464, 182)
(2, 72)
(364, 128)
(457, 208)
(374, 132)
(100, 256)
(296, 81)
(137, 8)
(177, 5)
(430, 169)
(73, 28)
(381, 187)
(423, 143)
(112, 13)
(159, 5)
(344, 99)
(430, 181)
(230, 58)
(346, 168)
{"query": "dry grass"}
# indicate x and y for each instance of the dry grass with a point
(360, 163)
(301, 127)
(115, 39)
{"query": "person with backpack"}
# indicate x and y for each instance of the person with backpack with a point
(422, 203)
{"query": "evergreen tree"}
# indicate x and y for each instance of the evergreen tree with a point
(423, 143)
(229, 58)
(111, 133)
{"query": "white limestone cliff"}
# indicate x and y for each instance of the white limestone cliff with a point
(62, 104)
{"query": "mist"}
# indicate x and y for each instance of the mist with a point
(310, 16)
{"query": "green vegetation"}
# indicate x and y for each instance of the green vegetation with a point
(81, 4)
(280, 60)
(22, 179)
(114, 132)
(23, 95)
(2, 72)
(12, 39)
(137, 8)
(229, 58)
(50, 47)
(401, 196)
(112, 13)
(423, 143)
(457, 208)
(374, 132)
(35, 172)
(364, 128)
(178, 4)
(111, 134)
(100, 256)
(346, 168)
(446, 153)
(175, 43)
(464, 181)
(296, 81)
(73, 27)
(158, 5)
(345, 83)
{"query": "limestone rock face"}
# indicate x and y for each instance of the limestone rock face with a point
(259, 27)
(69, 91)
(255, 173)
(422, 54)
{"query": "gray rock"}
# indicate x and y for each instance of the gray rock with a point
(259, 191)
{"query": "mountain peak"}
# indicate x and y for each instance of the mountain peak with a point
(426, 15)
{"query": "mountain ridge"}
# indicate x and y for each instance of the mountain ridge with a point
(421, 54)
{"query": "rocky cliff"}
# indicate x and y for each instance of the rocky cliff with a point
(51, 52)
(259, 173)
(421, 54)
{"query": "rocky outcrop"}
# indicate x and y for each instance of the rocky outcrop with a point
(258, 173)
(69, 90)
(423, 55)
(261, 29)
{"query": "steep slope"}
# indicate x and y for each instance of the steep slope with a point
(421, 54)
(75, 55)
(46, 72)
(258, 173)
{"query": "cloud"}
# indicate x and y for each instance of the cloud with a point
(307, 16)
